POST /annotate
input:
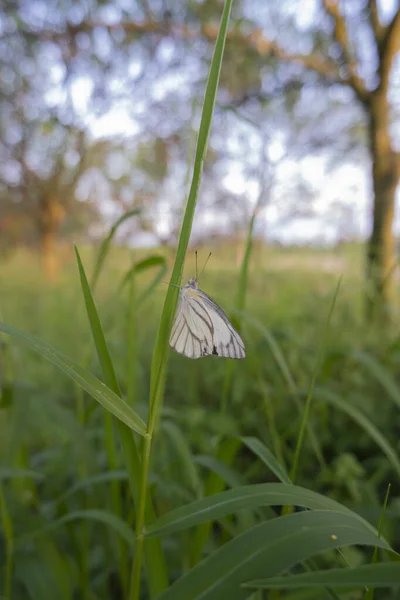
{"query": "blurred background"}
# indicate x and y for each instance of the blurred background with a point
(99, 110)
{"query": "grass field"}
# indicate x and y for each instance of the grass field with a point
(66, 508)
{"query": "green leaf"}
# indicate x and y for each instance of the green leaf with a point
(378, 575)
(106, 244)
(90, 481)
(97, 331)
(307, 407)
(245, 497)
(101, 516)
(96, 388)
(265, 454)
(188, 469)
(266, 550)
(159, 362)
(381, 374)
(38, 581)
(370, 592)
(160, 354)
(13, 473)
(157, 572)
(141, 266)
(287, 376)
(275, 349)
(225, 454)
(363, 421)
(229, 475)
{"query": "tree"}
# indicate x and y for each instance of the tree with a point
(42, 144)
(51, 161)
(276, 54)
(352, 47)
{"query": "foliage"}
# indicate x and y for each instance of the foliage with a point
(205, 456)
(58, 486)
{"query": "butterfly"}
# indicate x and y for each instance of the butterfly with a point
(202, 328)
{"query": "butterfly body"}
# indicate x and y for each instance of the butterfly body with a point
(202, 328)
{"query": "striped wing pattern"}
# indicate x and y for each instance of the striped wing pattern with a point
(202, 328)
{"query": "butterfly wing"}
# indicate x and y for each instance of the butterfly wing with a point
(201, 328)
(185, 336)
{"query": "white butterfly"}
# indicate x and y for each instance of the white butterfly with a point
(201, 327)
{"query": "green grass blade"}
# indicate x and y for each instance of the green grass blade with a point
(225, 454)
(112, 382)
(160, 354)
(370, 592)
(307, 407)
(142, 266)
(100, 516)
(8, 540)
(229, 476)
(160, 351)
(287, 376)
(97, 331)
(134, 301)
(265, 454)
(244, 271)
(187, 468)
(154, 554)
(93, 386)
(266, 550)
(14, 473)
(106, 244)
(382, 575)
(244, 497)
(381, 374)
(36, 579)
(363, 421)
(276, 352)
(89, 482)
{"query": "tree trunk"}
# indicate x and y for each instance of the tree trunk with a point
(51, 216)
(49, 254)
(381, 257)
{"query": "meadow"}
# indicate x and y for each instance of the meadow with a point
(66, 507)
(131, 473)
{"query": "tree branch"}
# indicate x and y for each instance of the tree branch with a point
(256, 40)
(377, 27)
(389, 49)
(342, 37)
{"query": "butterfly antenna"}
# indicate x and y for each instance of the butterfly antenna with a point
(196, 266)
(208, 257)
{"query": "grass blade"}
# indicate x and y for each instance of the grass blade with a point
(89, 482)
(304, 420)
(265, 454)
(363, 421)
(382, 575)
(244, 497)
(14, 473)
(287, 376)
(86, 380)
(8, 536)
(97, 331)
(225, 454)
(381, 374)
(154, 554)
(370, 592)
(100, 516)
(266, 550)
(106, 244)
(142, 266)
(159, 361)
